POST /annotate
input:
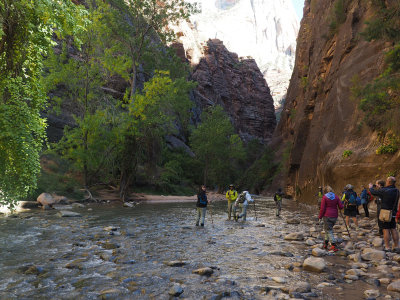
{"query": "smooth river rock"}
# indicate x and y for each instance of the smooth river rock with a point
(394, 286)
(318, 252)
(204, 271)
(314, 264)
(175, 291)
(300, 287)
(371, 293)
(67, 213)
(370, 254)
(294, 236)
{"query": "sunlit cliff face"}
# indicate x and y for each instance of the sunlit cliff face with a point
(266, 30)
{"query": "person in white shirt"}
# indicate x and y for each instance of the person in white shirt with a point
(242, 202)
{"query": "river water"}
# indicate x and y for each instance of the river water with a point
(114, 252)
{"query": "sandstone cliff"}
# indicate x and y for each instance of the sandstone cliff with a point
(239, 87)
(320, 121)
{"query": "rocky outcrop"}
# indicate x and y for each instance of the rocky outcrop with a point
(320, 121)
(265, 30)
(239, 87)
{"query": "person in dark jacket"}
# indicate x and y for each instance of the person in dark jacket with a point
(330, 205)
(378, 201)
(389, 195)
(201, 205)
(365, 200)
(350, 209)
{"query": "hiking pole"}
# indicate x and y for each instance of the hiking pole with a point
(345, 224)
(255, 211)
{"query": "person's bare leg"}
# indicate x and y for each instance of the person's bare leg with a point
(395, 236)
(386, 238)
(347, 221)
(355, 221)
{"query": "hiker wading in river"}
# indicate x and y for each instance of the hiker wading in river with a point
(201, 205)
(390, 197)
(278, 201)
(231, 195)
(242, 202)
(330, 205)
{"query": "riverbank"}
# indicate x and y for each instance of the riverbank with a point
(212, 196)
(154, 249)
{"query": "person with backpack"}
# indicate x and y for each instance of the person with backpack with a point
(329, 213)
(389, 207)
(242, 202)
(201, 205)
(350, 205)
(278, 201)
(379, 184)
(319, 195)
(365, 197)
(231, 195)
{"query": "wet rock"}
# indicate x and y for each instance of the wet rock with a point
(324, 284)
(371, 293)
(394, 286)
(32, 270)
(260, 225)
(175, 263)
(310, 242)
(175, 291)
(77, 205)
(46, 199)
(280, 253)
(294, 236)
(204, 271)
(109, 294)
(396, 257)
(314, 264)
(75, 264)
(67, 213)
(351, 277)
(109, 246)
(318, 252)
(293, 221)
(111, 228)
(300, 287)
(385, 280)
(128, 204)
(356, 257)
(28, 204)
(355, 272)
(377, 242)
(279, 279)
(370, 254)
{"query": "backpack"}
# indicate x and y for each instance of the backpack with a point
(351, 199)
(242, 198)
(277, 197)
(201, 199)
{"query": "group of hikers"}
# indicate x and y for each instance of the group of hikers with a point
(385, 194)
(386, 197)
(236, 202)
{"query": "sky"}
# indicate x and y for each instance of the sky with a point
(298, 7)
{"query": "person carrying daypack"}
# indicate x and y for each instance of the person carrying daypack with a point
(365, 200)
(242, 202)
(278, 201)
(201, 205)
(330, 206)
(350, 205)
(231, 195)
(319, 195)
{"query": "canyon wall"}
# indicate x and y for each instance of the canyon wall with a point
(321, 121)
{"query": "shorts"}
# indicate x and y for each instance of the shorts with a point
(389, 225)
(350, 211)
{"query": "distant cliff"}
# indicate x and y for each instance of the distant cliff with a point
(264, 30)
(321, 139)
(239, 87)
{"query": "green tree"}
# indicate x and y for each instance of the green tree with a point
(152, 114)
(26, 32)
(135, 29)
(217, 147)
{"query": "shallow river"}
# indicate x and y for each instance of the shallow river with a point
(44, 256)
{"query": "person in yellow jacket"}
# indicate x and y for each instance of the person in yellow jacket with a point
(231, 195)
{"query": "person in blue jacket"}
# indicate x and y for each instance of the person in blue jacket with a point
(201, 205)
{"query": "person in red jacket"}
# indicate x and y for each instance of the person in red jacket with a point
(329, 213)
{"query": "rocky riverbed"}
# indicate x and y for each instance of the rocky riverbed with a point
(154, 251)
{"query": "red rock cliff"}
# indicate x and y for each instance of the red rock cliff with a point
(320, 121)
(239, 87)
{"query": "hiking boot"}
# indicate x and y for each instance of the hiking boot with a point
(325, 244)
(202, 225)
(333, 248)
(396, 250)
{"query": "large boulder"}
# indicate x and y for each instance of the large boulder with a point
(294, 236)
(48, 200)
(370, 254)
(394, 286)
(314, 264)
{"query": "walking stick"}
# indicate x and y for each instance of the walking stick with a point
(255, 211)
(346, 226)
